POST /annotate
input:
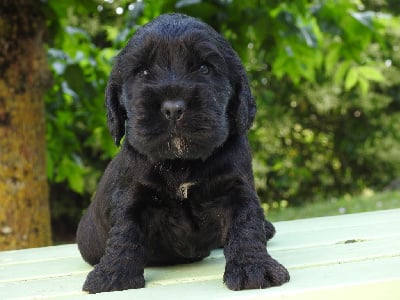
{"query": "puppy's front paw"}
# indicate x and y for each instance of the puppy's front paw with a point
(240, 275)
(103, 280)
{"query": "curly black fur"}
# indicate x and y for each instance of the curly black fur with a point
(182, 183)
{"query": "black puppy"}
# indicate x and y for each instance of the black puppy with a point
(182, 183)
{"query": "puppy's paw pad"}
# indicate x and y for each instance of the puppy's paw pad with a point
(99, 281)
(267, 273)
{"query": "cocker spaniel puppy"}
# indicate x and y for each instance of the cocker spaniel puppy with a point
(182, 183)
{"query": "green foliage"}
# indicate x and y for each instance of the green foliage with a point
(325, 75)
(78, 141)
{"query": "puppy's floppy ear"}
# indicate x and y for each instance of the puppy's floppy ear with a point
(116, 113)
(245, 105)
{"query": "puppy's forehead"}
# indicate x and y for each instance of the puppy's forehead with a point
(174, 27)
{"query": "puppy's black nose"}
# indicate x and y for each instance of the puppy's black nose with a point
(173, 109)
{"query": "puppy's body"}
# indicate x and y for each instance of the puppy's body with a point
(182, 183)
(184, 208)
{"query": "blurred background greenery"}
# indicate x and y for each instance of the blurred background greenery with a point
(325, 75)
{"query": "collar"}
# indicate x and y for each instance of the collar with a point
(183, 189)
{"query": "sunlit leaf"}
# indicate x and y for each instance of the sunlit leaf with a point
(341, 71)
(332, 58)
(371, 73)
(364, 86)
(351, 78)
(76, 182)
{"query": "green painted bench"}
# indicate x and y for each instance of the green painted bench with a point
(353, 256)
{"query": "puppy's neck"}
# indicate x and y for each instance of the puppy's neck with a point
(175, 177)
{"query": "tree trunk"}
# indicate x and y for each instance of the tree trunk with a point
(24, 204)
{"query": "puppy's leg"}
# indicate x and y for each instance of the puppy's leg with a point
(269, 230)
(122, 265)
(90, 238)
(248, 264)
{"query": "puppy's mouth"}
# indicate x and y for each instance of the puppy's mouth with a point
(178, 146)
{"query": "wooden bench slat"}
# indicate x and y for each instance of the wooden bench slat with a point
(341, 221)
(332, 236)
(331, 230)
(339, 253)
(38, 254)
(49, 268)
(48, 288)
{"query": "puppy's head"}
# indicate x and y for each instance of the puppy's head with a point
(178, 90)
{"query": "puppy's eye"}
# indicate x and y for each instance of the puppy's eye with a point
(142, 72)
(145, 72)
(204, 69)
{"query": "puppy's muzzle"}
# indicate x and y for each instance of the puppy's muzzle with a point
(173, 110)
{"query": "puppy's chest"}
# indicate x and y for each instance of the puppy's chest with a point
(188, 222)
(190, 202)
(181, 200)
